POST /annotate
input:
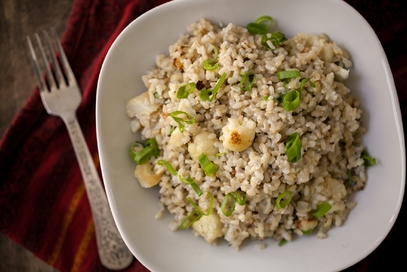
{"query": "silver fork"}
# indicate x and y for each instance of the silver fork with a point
(61, 97)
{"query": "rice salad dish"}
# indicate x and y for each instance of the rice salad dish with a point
(250, 134)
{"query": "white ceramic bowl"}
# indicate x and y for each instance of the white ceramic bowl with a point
(134, 208)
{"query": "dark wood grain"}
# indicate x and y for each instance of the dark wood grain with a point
(19, 18)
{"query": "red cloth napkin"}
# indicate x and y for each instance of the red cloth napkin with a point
(43, 203)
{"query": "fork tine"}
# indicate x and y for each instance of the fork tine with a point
(64, 60)
(59, 77)
(49, 75)
(37, 69)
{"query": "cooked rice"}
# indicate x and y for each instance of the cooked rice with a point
(328, 121)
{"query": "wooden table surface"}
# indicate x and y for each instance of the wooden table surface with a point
(19, 18)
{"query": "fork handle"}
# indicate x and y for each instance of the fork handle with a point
(113, 252)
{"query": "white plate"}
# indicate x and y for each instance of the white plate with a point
(134, 208)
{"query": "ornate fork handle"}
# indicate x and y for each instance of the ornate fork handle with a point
(113, 252)
(61, 97)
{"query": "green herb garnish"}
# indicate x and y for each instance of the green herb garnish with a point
(322, 209)
(293, 147)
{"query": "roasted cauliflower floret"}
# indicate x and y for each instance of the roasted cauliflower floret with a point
(209, 227)
(307, 224)
(176, 138)
(238, 136)
(140, 106)
(146, 176)
(203, 143)
(341, 74)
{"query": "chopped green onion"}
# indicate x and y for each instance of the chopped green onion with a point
(307, 232)
(185, 90)
(152, 142)
(350, 177)
(211, 64)
(261, 26)
(293, 147)
(142, 153)
(140, 156)
(197, 208)
(228, 206)
(135, 150)
(137, 147)
(287, 195)
(266, 98)
(168, 165)
(368, 161)
(247, 81)
(255, 28)
(280, 98)
(241, 200)
(208, 167)
(322, 209)
(156, 95)
(291, 100)
(208, 212)
(268, 19)
(207, 95)
(197, 213)
(210, 94)
(190, 219)
(282, 242)
(188, 119)
(288, 74)
(196, 188)
(172, 129)
(190, 181)
(305, 80)
(220, 154)
(276, 39)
